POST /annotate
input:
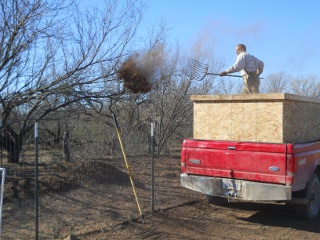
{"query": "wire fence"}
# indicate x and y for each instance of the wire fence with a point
(79, 183)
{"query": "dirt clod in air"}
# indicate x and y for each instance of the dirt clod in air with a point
(135, 78)
(141, 72)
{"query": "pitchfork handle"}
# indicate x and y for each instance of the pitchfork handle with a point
(230, 75)
(217, 74)
(115, 121)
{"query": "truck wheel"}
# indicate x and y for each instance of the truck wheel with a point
(311, 192)
(219, 201)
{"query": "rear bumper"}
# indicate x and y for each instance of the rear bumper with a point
(238, 189)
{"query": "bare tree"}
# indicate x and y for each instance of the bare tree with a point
(171, 110)
(204, 52)
(171, 107)
(275, 83)
(54, 55)
(306, 86)
(168, 105)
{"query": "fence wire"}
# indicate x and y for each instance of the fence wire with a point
(83, 183)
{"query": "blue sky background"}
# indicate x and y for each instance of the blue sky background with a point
(285, 34)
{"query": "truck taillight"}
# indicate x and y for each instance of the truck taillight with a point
(184, 143)
(183, 157)
(291, 169)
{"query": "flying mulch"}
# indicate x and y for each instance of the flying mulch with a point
(134, 77)
(139, 71)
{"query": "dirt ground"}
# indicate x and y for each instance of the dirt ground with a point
(103, 202)
(200, 220)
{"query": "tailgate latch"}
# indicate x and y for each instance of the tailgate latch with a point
(231, 148)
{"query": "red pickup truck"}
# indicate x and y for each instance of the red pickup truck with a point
(254, 171)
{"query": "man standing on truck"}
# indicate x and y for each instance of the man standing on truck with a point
(250, 68)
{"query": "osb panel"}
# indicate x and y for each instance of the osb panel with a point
(253, 97)
(238, 121)
(301, 121)
(269, 125)
(201, 121)
(262, 121)
(277, 117)
(207, 117)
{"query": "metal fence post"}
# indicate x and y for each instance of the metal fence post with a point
(3, 170)
(1, 141)
(36, 181)
(152, 166)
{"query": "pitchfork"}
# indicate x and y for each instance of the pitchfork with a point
(198, 71)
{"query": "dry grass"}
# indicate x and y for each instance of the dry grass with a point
(86, 196)
(93, 199)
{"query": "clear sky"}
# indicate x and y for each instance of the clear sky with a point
(285, 34)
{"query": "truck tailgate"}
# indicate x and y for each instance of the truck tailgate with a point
(262, 162)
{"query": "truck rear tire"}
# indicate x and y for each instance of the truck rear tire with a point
(219, 201)
(312, 192)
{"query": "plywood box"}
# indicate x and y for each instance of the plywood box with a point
(276, 117)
